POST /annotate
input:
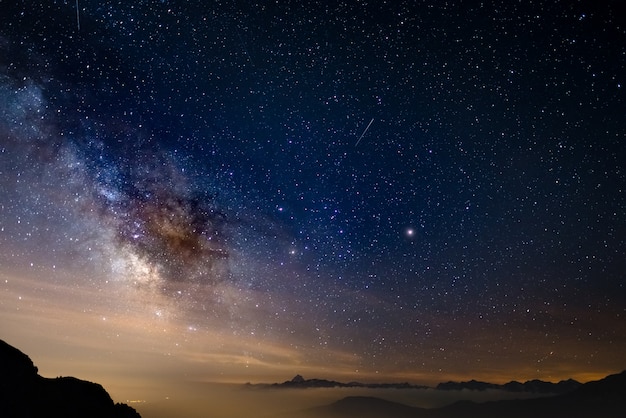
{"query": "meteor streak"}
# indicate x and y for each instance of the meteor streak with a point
(366, 128)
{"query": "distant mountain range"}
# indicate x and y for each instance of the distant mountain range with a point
(299, 382)
(25, 394)
(605, 398)
(531, 386)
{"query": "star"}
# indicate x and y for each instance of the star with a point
(323, 187)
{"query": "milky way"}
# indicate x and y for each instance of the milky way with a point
(406, 190)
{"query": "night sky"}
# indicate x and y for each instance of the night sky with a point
(359, 190)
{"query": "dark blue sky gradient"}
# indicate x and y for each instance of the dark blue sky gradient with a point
(483, 209)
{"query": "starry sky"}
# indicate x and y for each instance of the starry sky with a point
(360, 190)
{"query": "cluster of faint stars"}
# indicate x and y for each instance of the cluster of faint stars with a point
(366, 178)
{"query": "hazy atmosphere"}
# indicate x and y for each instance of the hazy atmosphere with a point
(195, 195)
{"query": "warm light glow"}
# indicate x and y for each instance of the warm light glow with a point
(195, 195)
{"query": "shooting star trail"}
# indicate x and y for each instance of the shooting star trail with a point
(77, 16)
(366, 128)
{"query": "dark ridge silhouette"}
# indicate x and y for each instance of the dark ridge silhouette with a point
(298, 382)
(531, 386)
(363, 407)
(605, 398)
(25, 394)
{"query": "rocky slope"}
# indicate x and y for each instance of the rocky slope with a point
(25, 394)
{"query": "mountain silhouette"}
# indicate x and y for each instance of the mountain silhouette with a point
(605, 398)
(531, 386)
(25, 394)
(299, 382)
(363, 407)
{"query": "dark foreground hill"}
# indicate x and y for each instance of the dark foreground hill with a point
(605, 398)
(25, 394)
